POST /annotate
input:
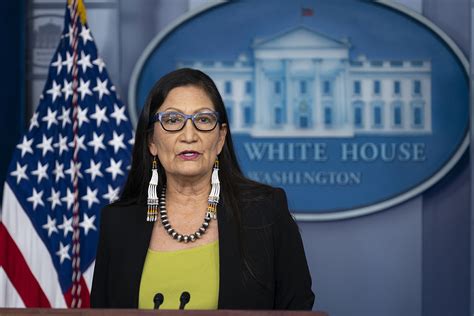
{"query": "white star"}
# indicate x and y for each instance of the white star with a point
(114, 168)
(41, 172)
(82, 116)
(50, 226)
(55, 198)
(94, 170)
(99, 62)
(50, 118)
(84, 62)
(91, 197)
(62, 144)
(80, 143)
(67, 89)
(34, 121)
(119, 114)
(68, 62)
(88, 223)
(35, 198)
(46, 145)
(55, 91)
(112, 194)
(73, 168)
(99, 115)
(66, 226)
(85, 34)
(20, 172)
(25, 146)
(69, 198)
(131, 141)
(58, 63)
(117, 142)
(70, 33)
(84, 88)
(101, 88)
(64, 117)
(58, 171)
(63, 252)
(97, 142)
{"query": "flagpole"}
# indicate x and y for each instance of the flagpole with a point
(76, 270)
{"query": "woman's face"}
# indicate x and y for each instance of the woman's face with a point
(188, 153)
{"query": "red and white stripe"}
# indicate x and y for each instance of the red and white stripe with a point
(27, 274)
(25, 260)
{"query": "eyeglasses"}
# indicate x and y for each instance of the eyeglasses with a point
(175, 121)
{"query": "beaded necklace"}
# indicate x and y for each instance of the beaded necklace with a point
(210, 214)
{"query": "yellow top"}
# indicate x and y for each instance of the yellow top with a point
(195, 270)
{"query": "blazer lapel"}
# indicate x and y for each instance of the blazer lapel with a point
(229, 259)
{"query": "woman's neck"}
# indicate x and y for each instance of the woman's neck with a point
(186, 192)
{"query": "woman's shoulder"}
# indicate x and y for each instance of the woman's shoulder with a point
(263, 206)
(120, 210)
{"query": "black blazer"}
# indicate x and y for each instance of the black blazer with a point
(279, 279)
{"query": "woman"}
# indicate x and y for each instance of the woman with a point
(188, 221)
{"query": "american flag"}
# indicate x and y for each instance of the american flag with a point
(70, 163)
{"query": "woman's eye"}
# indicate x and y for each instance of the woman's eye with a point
(172, 119)
(204, 120)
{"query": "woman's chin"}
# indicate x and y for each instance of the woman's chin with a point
(191, 174)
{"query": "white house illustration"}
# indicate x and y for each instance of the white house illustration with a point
(301, 83)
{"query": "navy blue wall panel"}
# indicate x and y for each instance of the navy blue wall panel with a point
(446, 244)
(12, 79)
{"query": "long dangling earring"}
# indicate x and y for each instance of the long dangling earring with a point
(152, 212)
(215, 190)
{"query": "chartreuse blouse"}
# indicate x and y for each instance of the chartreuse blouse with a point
(195, 270)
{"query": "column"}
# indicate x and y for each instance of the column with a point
(346, 105)
(407, 118)
(387, 90)
(260, 103)
(317, 105)
(427, 98)
(367, 98)
(237, 88)
(338, 102)
(289, 106)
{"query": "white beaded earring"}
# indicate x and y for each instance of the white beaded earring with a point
(215, 190)
(152, 201)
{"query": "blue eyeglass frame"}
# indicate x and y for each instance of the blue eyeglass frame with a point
(157, 118)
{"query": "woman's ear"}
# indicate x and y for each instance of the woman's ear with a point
(222, 136)
(152, 147)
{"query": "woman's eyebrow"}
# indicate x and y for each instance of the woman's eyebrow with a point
(173, 109)
(203, 108)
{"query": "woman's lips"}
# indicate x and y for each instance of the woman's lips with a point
(189, 155)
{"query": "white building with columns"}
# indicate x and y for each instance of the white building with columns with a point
(301, 83)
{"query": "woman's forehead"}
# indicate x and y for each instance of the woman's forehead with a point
(187, 99)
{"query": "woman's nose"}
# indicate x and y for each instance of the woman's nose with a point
(189, 131)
